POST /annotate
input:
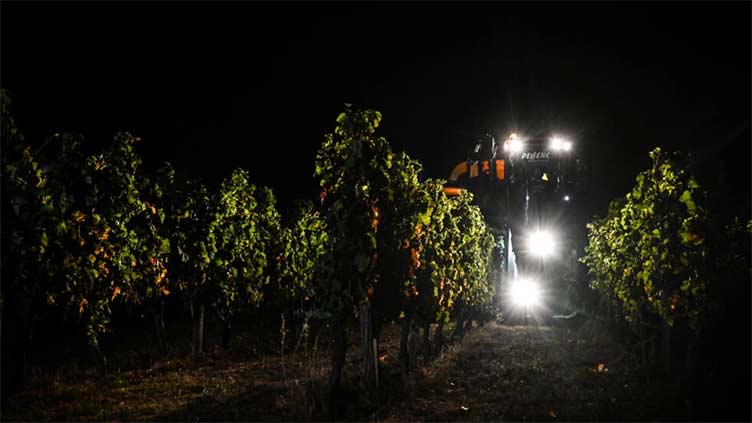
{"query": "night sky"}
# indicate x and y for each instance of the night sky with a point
(215, 86)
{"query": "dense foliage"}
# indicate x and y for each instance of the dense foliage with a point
(82, 231)
(400, 248)
(300, 248)
(653, 253)
(664, 261)
(352, 165)
(88, 231)
(639, 255)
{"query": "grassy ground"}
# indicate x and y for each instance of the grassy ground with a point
(243, 383)
(498, 372)
(530, 373)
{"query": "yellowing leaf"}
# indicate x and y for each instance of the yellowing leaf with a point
(160, 277)
(79, 217)
(103, 234)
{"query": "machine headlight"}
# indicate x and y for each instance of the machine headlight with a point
(525, 293)
(560, 144)
(541, 243)
(513, 144)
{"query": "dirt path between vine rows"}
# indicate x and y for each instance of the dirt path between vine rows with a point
(532, 373)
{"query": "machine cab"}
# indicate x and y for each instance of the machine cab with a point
(541, 166)
(483, 173)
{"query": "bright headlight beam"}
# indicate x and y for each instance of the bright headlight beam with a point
(560, 144)
(541, 243)
(514, 143)
(557, 144)
(525, 293)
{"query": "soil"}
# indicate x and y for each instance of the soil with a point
(534, 373)
(497, 372)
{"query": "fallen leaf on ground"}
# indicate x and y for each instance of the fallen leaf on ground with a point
(600, 368)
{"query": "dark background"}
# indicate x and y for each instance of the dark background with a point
(214, 86)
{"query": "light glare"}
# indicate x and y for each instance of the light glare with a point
(541, 243)
(560, 144)
(515, 145)
(557, 144)
(525, 293)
